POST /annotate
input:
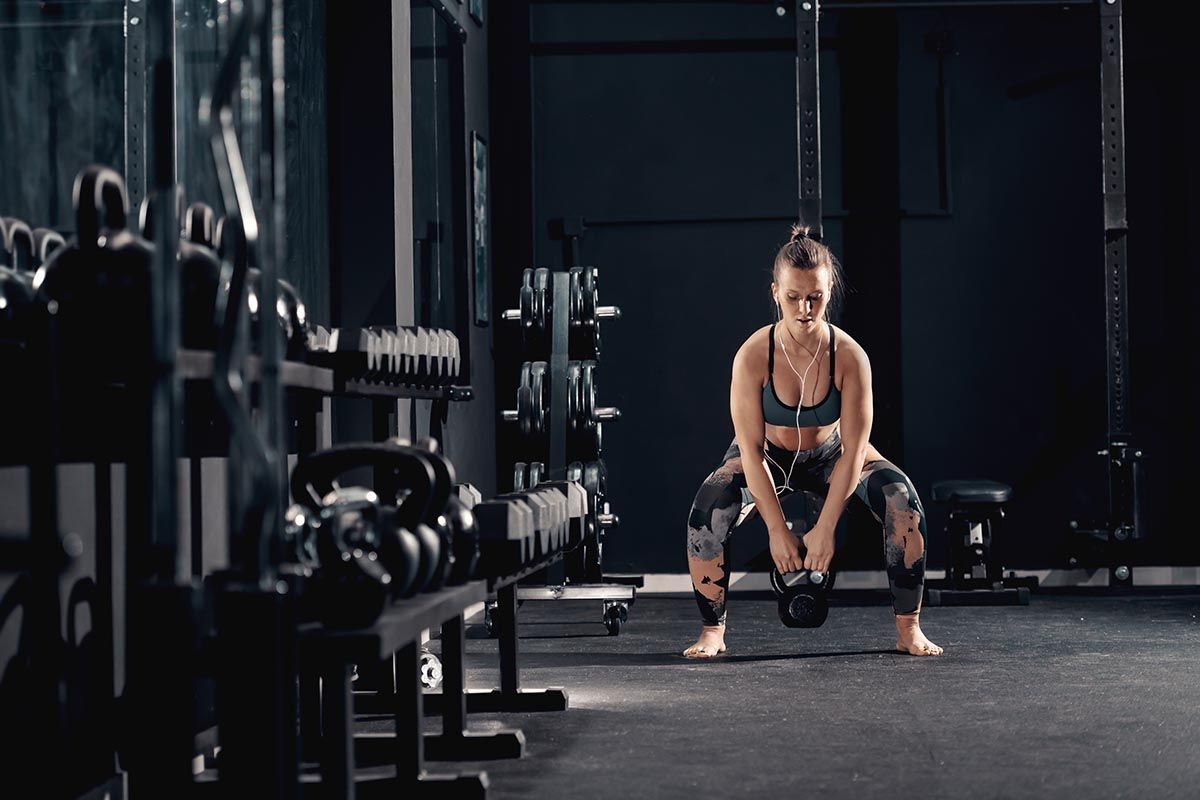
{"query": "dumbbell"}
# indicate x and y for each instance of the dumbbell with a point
(455, 358)
(318, 339)
(575, 508)
(441, 357)
(417, 350)
(350, 350)
(541, 521)
(550, 517)
(526, 477)
(506, 535)
(374, 342)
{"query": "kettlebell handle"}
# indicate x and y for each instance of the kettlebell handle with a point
(98, 190)
(313, 476)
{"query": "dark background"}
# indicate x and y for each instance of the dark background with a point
(670, 128)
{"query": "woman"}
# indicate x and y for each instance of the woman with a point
(821, 447)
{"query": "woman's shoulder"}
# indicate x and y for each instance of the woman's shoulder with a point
(751, 357)
(847, 347)
(755, 346)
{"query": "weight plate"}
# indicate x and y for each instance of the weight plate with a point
(574, 385)
(589, 297)
(541, 299)
(539, 390)
(588, 393)
(575, 293)
(525, 400)
(527, 309)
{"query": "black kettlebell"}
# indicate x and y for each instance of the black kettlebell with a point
(99, 284)
(354, 586)
(16, 301)
(293, 321)
(435, 514)
(21, 247)
(465, 536)
(45, 242)
(803, 596)
(199, 224)
(299, 538)
(412, 482)
(199, 271)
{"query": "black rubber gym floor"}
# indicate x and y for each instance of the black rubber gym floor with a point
(1069, 697)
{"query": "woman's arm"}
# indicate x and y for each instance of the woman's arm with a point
(856, 418)
(745, 407)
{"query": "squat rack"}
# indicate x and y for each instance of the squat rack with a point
(1123, 525)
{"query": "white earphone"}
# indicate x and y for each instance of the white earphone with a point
(788, 479)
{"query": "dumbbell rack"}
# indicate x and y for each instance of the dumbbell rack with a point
(616, 597)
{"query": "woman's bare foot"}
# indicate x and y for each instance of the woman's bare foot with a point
(710, 643)
(910, 639)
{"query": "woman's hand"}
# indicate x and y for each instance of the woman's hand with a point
(819, 546)
(785, 549)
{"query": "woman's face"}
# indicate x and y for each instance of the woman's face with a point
(803, 296)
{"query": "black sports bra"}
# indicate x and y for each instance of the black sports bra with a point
(775, 412)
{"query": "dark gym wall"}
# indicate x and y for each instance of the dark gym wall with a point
(370, 175)
(468, 438)
(671, 130)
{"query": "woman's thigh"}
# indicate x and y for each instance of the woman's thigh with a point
(716, 507)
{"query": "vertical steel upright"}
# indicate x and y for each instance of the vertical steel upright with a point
(1123, 455)
(135, 101)
(808, 115)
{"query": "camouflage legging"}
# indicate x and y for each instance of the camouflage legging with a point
(885, 489)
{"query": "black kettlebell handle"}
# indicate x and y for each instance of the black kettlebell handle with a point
(98, 190)
(313, 476)
(336, 554)
(20, 244)
(443, 487)
(824, 585)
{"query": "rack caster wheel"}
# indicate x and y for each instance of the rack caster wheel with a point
(615, 615)
(489, 619)
(431, 670)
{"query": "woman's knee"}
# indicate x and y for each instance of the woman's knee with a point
(714, 512)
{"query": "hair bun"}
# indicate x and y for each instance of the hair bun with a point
(799, 232)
